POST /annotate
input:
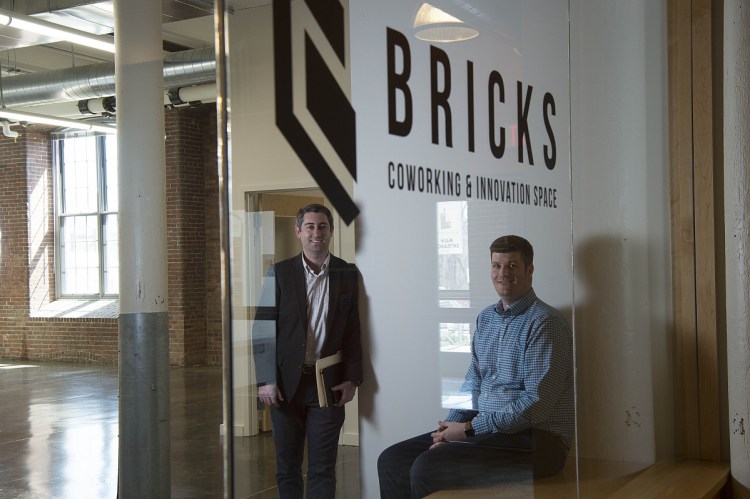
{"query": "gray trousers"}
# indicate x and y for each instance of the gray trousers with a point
(410, 469)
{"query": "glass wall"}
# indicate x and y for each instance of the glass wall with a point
(428, 142)
(428, 130)
(457, 143)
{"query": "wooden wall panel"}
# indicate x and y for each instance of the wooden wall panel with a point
(691, 145)
(683, 257)
(705, 232)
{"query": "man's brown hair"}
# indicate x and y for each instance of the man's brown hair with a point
(314, 208)
(509, 244)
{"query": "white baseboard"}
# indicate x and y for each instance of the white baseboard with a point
(349, 439)
(239, 430)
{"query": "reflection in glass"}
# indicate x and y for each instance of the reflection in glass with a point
(455, 337)
(432, 24)
(454, 301)
(453, 254)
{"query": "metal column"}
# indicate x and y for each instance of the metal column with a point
(225, 204)
(144, 452)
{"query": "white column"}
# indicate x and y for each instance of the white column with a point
(737, 217)
(144, 455)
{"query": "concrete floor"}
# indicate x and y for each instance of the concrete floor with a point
(59, 436)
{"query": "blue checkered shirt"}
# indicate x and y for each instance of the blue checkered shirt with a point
(521, 371)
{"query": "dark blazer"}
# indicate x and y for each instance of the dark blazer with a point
(280, 327)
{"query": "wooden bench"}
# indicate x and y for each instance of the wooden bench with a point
(669, 480)
(604, 479)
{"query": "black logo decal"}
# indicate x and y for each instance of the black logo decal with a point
(326, 101)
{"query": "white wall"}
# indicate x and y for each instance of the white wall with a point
(261, 158)
(397, 243)
(621, 229)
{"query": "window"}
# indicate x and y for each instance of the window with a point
(453, 254)
(453, 275)
(87, 262)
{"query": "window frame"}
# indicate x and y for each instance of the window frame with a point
(58, 144)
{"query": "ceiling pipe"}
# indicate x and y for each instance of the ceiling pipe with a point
(181, 69)
(183, 96)
(187, 95)
(8, 132)
(72, 109)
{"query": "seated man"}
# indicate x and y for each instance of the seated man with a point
(521, 383)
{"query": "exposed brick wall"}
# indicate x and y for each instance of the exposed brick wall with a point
(14, 249)
(192, 247)
(26, 185)
(186, 226)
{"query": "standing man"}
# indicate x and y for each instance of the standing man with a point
(315, 311)
(520, 379)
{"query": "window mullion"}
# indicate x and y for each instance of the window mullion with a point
(58, 207)
(101, 185)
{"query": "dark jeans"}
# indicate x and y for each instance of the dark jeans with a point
(294, 421)
(410, 469)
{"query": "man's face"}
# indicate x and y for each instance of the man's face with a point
(315, 234)
(510, 276)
